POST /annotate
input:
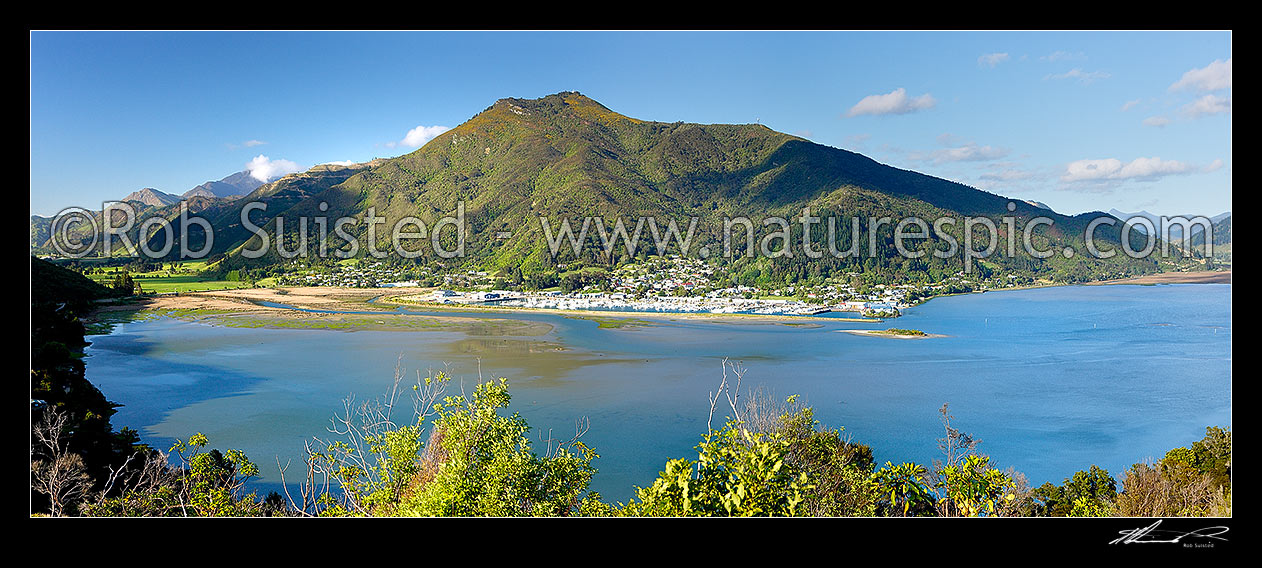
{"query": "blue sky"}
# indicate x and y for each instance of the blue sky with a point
(1078, 120)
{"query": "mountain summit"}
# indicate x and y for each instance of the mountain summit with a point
(235, 185)
(152, 197)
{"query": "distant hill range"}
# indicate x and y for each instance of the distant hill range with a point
(213, 199)
(1221, 224)
(566, 156)
(233, 186)
(156, 202)
(1176, 231)
(1222, 236)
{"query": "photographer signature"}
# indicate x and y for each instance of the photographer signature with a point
(1150, 535)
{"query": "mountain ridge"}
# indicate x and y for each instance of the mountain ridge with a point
(237, 184)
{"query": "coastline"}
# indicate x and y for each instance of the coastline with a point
(887, 333)
(344, 309)
(243, 308)
(1198, 277)
(374, 304)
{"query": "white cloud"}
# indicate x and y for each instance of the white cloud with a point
(1152, 168)
(1063, 56)
(1214, 166)
(1130, 104)
(1083, 170)
(894, 102)
(265, 169)
(1208, 105)
(340, 163)
(1114, 169)
(1157, 121)
(959, 150)
(1085, 77)
(970, 152)
(1213, 77)
(992, 59)
(417, 137)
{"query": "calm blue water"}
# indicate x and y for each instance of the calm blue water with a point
(1051, 380)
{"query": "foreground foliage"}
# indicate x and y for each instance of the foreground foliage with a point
(466, 456)
(737, 473)
(473, 461)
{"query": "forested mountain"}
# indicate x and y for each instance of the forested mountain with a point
(566, 156)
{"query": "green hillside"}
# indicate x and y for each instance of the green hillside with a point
(52, 284)
(1221, 232)
(566, 156)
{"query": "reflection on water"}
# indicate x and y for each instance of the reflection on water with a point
(1052, 380)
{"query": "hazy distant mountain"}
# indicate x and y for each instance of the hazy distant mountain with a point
(1222, 234)
(152, 197)
(1156, 219)
(1176, 231)
(240, 183)
(205, 197)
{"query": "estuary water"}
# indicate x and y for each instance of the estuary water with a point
(1052, 380)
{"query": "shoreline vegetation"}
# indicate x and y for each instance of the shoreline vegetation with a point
(892, 333)
(1190, 277)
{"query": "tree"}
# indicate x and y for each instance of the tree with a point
(972, 488)
(473, 461)
(966, 484)
(1212, 455)
(840, 470)
(738, 472)
(1088, 493)
(55, 472)
(371, 457)
(484, 464)
(1186, 482)
(904, 484)
(203, 484)
(123, 283)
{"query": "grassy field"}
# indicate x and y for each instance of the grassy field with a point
(175, 283)
(182, 277)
